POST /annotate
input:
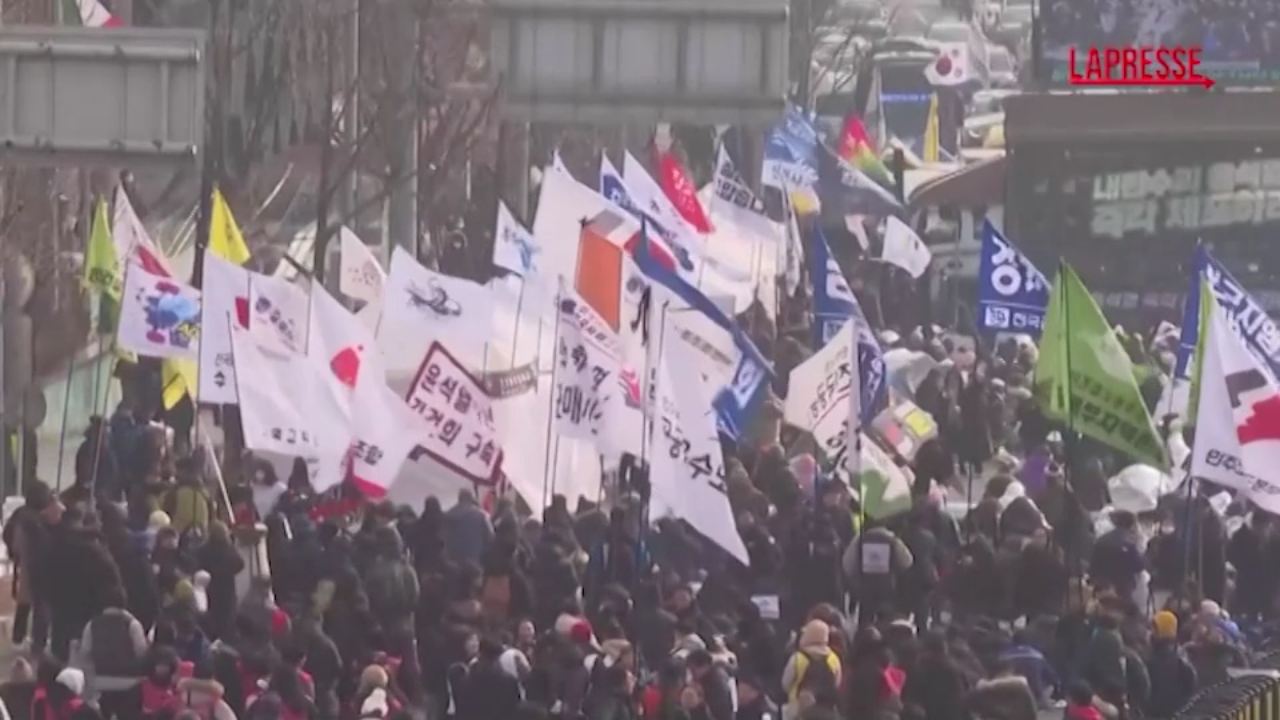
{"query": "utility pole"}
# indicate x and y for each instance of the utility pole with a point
(349, 200)
(400, 25)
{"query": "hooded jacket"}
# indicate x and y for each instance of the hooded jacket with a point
(205, 698)
(1002, 698)
(814, 641)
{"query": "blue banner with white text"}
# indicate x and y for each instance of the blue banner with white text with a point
(1012, 294)
(834, 304)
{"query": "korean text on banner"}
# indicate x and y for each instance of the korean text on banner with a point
(1084, 377)
(1237, 443)
(588, 364)
(833, 304)
(686, 462)
(279, 395)
(1012, 293)
(361, 277)
(225, 288)
(821, 399)
(1254, 326)
(159, 316)
(734, 200)
(459, 414)
(278, 313)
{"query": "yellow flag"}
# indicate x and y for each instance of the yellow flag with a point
(931, 132)
(177, 378)
(225, 239)
(101, 266)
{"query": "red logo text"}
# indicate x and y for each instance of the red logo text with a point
(1137, 67)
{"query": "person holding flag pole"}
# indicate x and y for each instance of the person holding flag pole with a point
(101, 276)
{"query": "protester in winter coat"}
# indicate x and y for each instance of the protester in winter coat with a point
(872, 564)
(63, 699)
(392, 583)
(872, 682)
(159, 687)
(754, 702)
(1029, 664)
(203, 695)
(813, 669)
(188, 503)
(111, 652)
(87, 575)
(936, 684)
(468, 532)
(97, 466)
(1173, 679)
(1006, 696)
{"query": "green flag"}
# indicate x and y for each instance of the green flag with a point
(102, 270)
(883, 487)
(1085, 378)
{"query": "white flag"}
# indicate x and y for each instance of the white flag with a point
(733, 200)
(225, 293)
(130, 238)
(588, 363)
(381, 434)
(821, 396)
(557, 164)
(514, 247)
(159, 316)
(450, 308)
(285, 404)
(278, 313)
(1237, 440)
(686, 466)
(904, 248)
(360, 277)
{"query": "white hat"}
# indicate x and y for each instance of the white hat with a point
(72, 679)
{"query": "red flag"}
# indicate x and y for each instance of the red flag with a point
(681, 192)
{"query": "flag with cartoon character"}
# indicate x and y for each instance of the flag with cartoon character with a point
(159, 316)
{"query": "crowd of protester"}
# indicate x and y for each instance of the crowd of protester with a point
(135, 600)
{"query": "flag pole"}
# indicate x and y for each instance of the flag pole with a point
(66, 410)
(550, 461)
(1068, 442)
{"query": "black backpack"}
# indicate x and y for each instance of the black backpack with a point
(819, 680)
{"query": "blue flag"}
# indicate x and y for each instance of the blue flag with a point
(796, 158)
(1012, 294)
(845, 190)
(1253, 325)
(736, 403)
(790, 152)
(834, 304)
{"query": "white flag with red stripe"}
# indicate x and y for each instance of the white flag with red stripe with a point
(383, 429)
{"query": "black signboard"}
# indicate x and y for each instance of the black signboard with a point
(1238, 40)
(1128, 218)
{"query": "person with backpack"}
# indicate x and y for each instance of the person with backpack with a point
(112, 650)
(813, 674)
